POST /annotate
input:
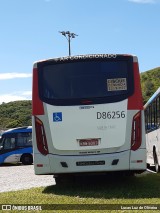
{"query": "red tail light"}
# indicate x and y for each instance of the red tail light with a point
(41, 137)
(37, 104)
(136, 138)
(86, 102)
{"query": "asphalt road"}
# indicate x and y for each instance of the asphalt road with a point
(19, 177)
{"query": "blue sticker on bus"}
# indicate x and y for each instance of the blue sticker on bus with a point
(57, 116)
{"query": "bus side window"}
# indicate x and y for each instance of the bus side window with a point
(29, 140)
(20, 139)
(9, 143)
(24, 139)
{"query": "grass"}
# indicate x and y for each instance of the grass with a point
(139, 190)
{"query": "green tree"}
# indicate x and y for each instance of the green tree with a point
(150, 82)
(15, 114)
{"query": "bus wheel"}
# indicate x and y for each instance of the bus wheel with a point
(156, 163)
(27, 159)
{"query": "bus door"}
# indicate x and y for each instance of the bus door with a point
(7, 149)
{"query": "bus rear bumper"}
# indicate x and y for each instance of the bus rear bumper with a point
(138, 160)
(58, 164)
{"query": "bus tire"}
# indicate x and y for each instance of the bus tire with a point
(156, 162)
(27, 159)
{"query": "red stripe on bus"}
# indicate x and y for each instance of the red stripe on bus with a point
(37, 104)
(135, 101)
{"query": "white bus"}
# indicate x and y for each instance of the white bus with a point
(88, 115)
(152, 123)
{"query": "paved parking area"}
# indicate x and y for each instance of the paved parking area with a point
(19, 177)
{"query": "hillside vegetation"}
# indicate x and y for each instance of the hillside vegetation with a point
(150, 82)
(18, 113)
(15, 114)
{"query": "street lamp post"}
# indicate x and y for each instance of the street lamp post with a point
(68, 36)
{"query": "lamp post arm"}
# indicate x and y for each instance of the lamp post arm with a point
(68, 36)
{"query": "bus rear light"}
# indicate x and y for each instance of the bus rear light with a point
(37, 104)
(39, 165)
(137, 161)
(41, 137)
(86, 102)
(136, 138)
(135, 101)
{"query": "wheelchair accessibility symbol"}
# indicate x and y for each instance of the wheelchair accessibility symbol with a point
(57, 116)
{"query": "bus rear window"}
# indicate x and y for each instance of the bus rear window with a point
(98, 81)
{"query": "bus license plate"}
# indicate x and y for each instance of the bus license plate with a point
(90, 163)
(89, 142)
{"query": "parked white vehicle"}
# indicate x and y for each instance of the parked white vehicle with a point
(88, 115)
(152, 124)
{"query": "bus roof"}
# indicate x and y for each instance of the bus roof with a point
(152, 97)
(87, 56)
(18, 130)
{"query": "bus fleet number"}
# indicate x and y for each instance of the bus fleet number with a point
(111, 115)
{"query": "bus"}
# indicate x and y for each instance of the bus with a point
(152, 125)
(88, 115)
(16, 146)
